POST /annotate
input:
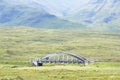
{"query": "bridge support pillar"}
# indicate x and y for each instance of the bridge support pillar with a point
(86, 63)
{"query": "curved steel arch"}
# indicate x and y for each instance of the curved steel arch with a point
(79, 59)
(69, 54)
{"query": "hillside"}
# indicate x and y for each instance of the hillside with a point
(98, 15)
(25, 15)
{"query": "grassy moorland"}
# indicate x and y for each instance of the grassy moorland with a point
(96, 71)
(18, 45)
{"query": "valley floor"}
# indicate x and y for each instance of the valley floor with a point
(20, 44)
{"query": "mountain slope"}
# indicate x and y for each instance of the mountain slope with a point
(98, 11)
(16, 14)
(102, 15)
(96, 14)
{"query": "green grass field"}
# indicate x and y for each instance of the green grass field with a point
(18, 45)
(96, 71)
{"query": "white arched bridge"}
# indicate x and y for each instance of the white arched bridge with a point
(61, 58)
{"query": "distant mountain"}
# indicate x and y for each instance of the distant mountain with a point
(103, 15)
(96, 14)
(24, 14)
(100, 13)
